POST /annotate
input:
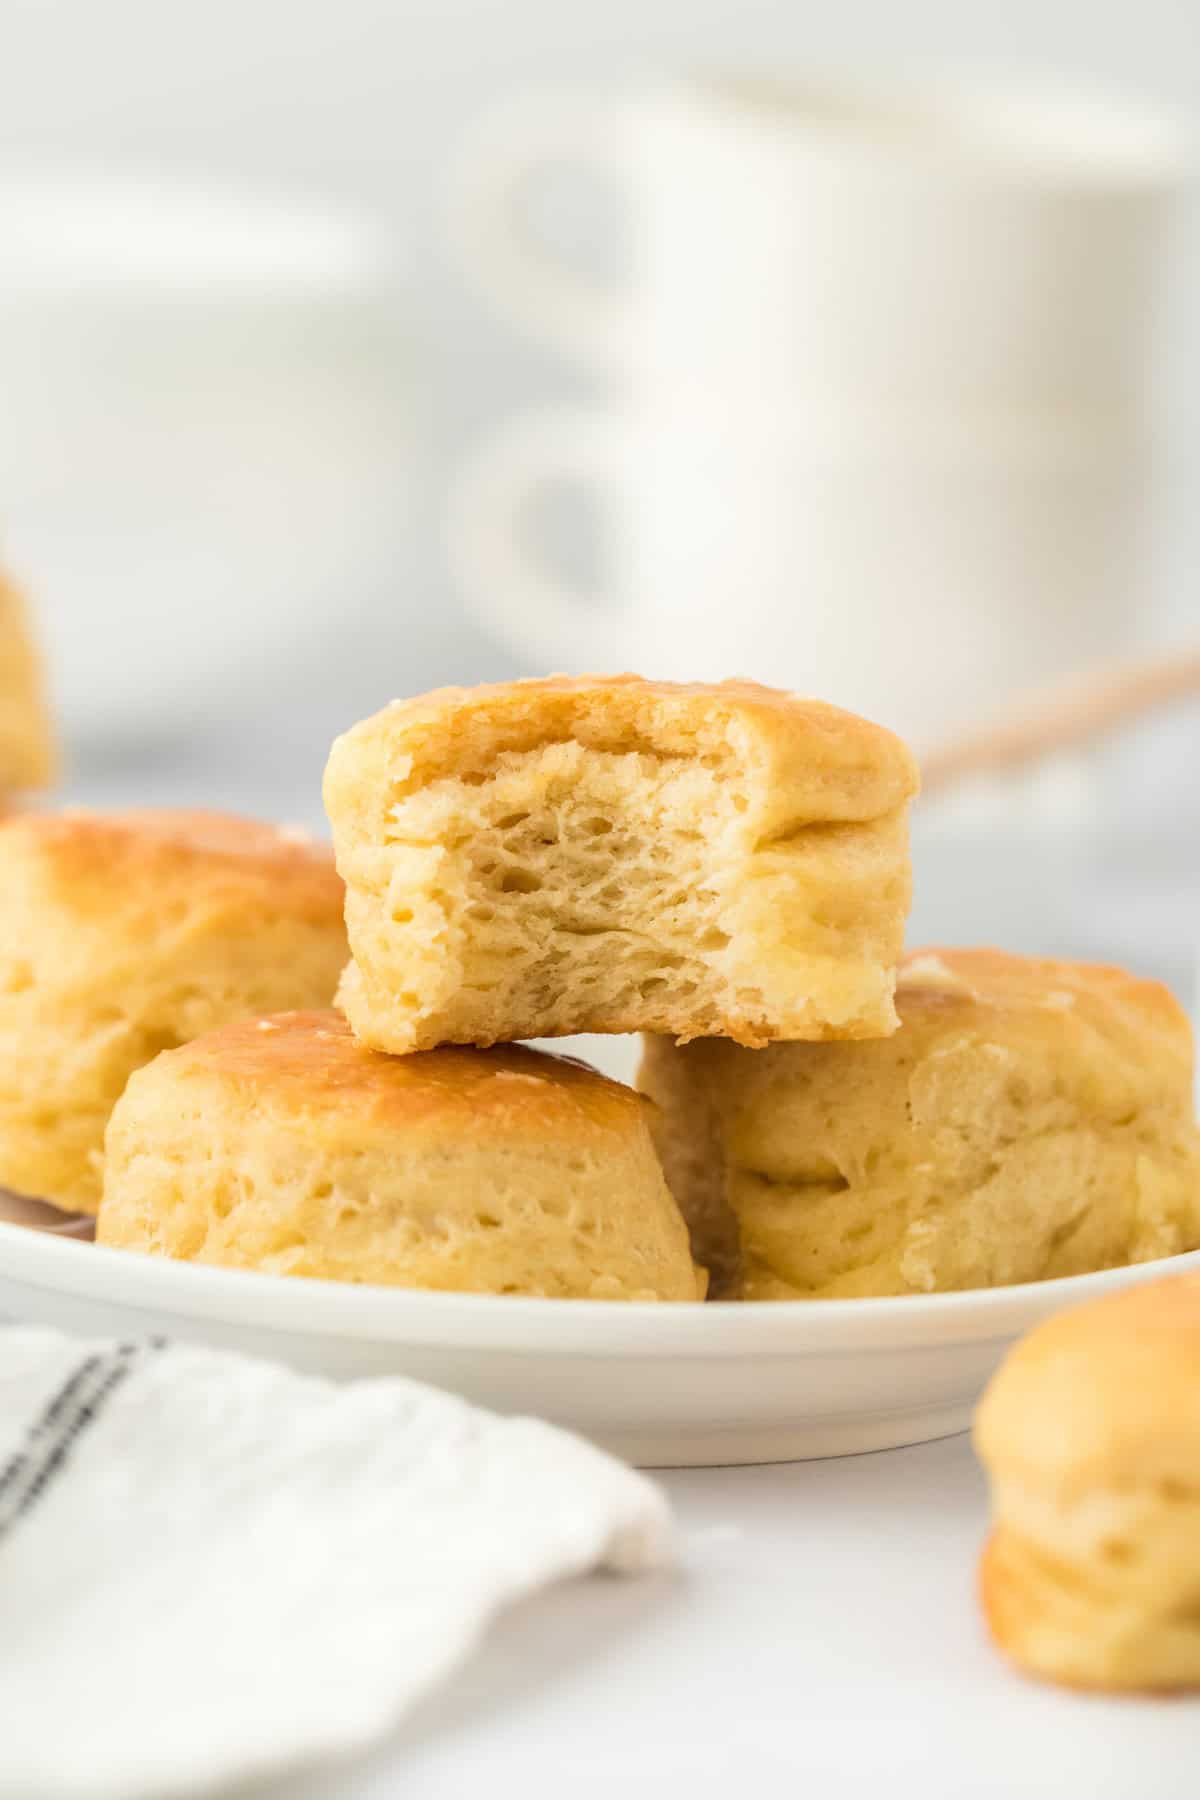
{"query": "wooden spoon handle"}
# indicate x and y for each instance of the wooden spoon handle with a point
(1069, 712)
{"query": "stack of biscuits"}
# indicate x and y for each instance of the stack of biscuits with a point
(530, 861)
(725, 870)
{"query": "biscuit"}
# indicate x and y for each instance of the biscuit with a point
(1029, 1119)
(1090, 1433)
(609, 854)
(128, 933)
(28, 754)
(284, 1144)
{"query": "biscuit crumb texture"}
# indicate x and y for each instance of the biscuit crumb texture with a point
(300, 1152)
(616, 855)
(1001, 1135)
(129, 933)
(1090, 1432)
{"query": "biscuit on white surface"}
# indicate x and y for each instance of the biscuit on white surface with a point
(283, 1144)
(1090, 1434)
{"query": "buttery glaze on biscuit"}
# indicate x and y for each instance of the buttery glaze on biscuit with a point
(129, 933)
(283, 1144)
(610, 854)
(1090, 1433)
(1029, 1119)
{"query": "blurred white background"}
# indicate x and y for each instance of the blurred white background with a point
(357, 108)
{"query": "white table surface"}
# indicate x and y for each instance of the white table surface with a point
(822, 1630)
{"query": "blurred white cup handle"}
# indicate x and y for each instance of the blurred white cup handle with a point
(529, 283)
(506, 584)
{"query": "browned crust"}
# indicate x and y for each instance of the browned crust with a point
(140, 861)
(1102, 1396)
(852, 769)
(985, 976)
(311, 1061)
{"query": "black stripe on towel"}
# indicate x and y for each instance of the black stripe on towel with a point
(31, 1471)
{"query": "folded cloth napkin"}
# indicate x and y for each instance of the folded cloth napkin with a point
(212, 1568)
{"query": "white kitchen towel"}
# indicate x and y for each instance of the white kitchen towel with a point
(213, 1568)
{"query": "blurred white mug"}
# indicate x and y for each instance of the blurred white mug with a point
(954, 245)
(882, 361)
(917, 581)
(205, 434)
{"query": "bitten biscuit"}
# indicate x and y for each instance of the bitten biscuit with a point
(28, 755)
(610, 855)
(126, 934)
(1090, 1433)
(1029, 1119)
(283, 1144)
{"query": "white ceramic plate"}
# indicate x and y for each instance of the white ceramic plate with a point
(661, 1385)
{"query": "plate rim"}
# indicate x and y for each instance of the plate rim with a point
(527, 1324)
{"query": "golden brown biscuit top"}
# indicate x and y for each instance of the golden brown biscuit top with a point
(996, 990)
(308, 1062)
(139, 858)
(1105, 1395)
(842, 766)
